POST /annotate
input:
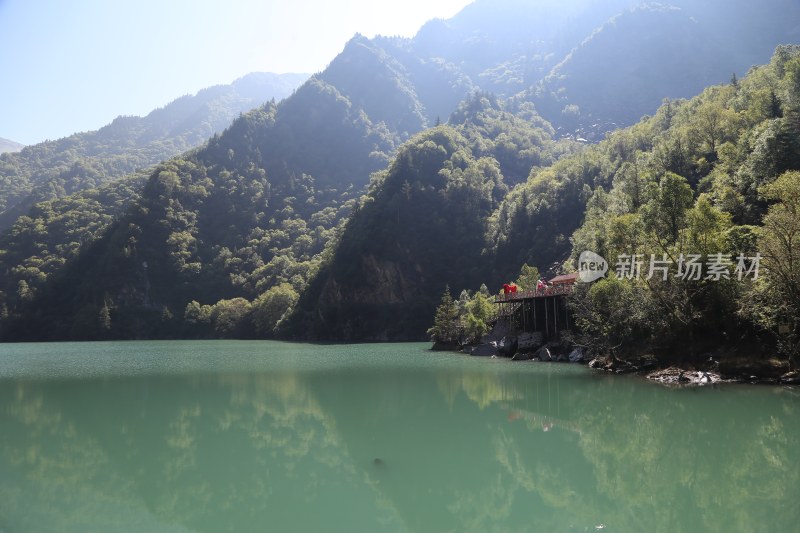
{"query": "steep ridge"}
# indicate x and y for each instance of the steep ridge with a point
(627, 66)
(422, 225)
(54, 169)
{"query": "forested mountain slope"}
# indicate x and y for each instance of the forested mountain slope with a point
(697, 212)
(718, 151)
(249, 211)
(627, 66)
(237, 228)
(423, 224)
(54, 169)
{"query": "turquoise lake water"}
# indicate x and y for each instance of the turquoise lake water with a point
(268, 436)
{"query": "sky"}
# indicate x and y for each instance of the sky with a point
(71, 66)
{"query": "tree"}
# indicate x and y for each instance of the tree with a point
(272, 306)
(779, 243)
(629, 188)
(228, 316)
(197, 314)
(666, 211)
(711, 124)
(707, 226)
(445, 323)
(24, 293)
(528, 277)
(479, 312)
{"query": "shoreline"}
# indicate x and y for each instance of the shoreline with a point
(728, 369)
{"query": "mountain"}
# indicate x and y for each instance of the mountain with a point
(422, 225)
(10, 146)
(725, 145)
(306, 200)
(250, 210)
(53, 169)
(713, 180)
(627, 66)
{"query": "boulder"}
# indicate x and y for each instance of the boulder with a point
(790, 378)
(507, 346)
(576, 355)
(597, 362)
(543, 354)
(677, 376)
(483, 350)
(522, 356)
(530, 341)
(439, 346)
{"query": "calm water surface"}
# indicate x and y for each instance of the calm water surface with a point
(267, 436)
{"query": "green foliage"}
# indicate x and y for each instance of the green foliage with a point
(445, 322)
(283, 202)
(779, 243)
(270, 307)
(255, 208)
(463, 321)
(428, 211)
(665, 213)
(730, 144)
(528, 277)
(479, 313)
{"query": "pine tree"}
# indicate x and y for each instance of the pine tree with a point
(445, 323)
(775, 109)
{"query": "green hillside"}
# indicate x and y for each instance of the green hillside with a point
(716, 174)
(54, 169)
(383, 178)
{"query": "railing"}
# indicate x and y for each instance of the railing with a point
(555, 290)
(508, 310)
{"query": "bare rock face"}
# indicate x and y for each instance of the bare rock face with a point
(382, 282)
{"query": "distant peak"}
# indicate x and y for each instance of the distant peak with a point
(10, 146)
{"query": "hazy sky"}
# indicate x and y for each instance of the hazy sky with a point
(70, 66)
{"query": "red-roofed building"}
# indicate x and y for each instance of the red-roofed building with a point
(565, 279)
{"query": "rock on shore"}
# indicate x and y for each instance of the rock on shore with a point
(677, 376)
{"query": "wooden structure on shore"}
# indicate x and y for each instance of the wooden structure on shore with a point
(543, 310)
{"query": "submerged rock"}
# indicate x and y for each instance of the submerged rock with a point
(444, 346)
